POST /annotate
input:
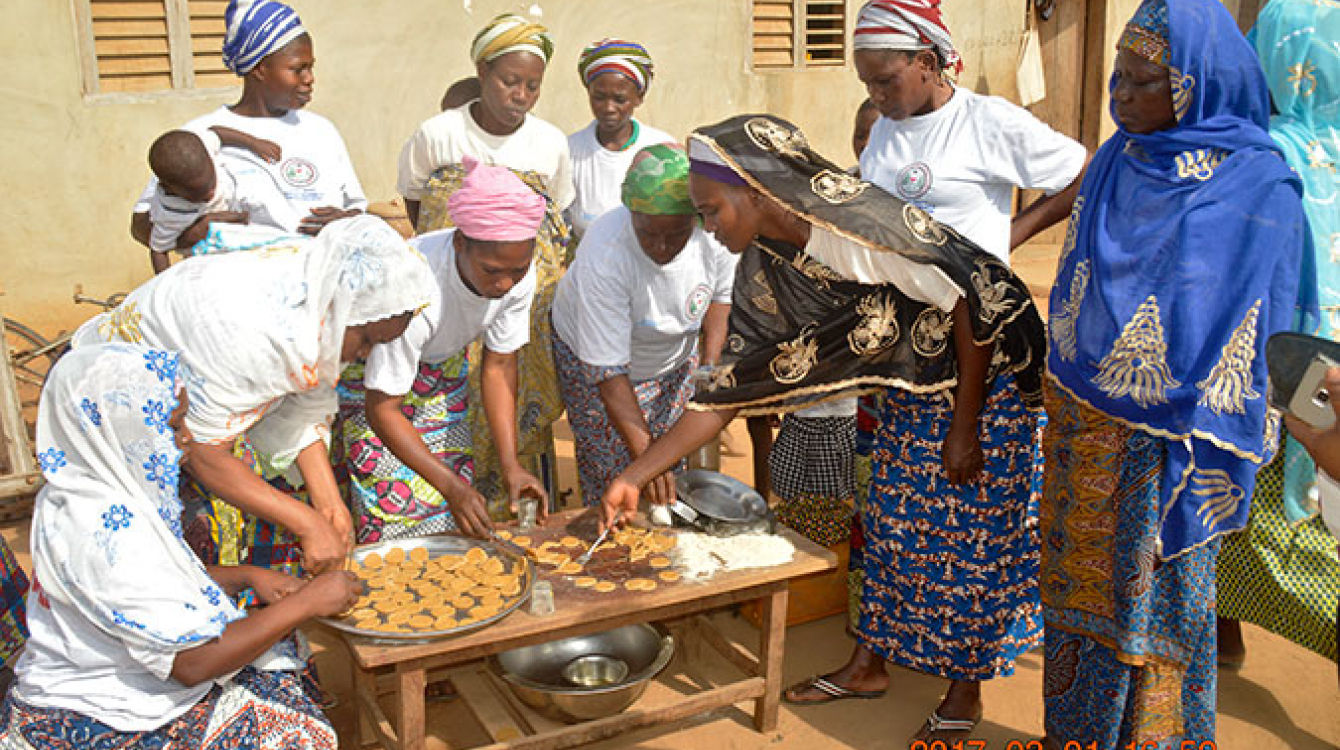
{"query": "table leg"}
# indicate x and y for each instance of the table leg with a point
(411, 682)
(772, 643)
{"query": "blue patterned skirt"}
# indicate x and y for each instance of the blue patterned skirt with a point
(601, 452)
(1130, 645)
(950, 572)
(253, 711)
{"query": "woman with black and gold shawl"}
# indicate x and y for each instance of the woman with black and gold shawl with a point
(843, 289)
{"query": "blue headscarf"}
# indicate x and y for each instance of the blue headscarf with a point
(1182, 257)
(1296, 42)
(255, 28)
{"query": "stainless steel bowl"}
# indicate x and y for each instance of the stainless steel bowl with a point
(546, 676)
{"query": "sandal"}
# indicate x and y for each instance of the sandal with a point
(831, 691)
(939, 728)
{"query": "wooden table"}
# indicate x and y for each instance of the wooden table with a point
(407, 666)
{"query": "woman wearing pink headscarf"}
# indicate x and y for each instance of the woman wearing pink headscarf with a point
(928, 600)
(407, 441)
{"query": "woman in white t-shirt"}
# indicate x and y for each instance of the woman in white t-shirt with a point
(647, 283)
(510, 55)
(312, 183)
(616, 74)
(407, 442)
(959, 156)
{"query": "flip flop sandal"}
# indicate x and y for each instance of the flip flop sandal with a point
(831, 692)
(936, 727)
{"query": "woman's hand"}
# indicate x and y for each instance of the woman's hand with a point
(618, 504)
(331, 593)
(323, 546)
(962, 453)
(470, 512)
(661, 490)
(271, 585)
(320, 216)
(521, 483)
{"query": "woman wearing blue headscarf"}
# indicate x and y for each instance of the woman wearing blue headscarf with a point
(1183, 256)
(1282, 573)
(308, 180)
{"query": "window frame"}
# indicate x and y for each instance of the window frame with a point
(799, 44)
(181, 58)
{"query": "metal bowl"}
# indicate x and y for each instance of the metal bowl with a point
(547, 676)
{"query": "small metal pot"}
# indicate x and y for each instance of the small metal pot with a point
(586, 677)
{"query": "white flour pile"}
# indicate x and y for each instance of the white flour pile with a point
(699, 556)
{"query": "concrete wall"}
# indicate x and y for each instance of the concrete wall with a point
(75, 164)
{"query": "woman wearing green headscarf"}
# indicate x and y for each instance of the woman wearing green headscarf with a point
(646, 282)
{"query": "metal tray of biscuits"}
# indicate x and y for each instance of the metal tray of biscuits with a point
(427, 587)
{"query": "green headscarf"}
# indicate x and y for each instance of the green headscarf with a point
(657, 182)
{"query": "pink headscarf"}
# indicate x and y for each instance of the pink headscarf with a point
(493, 204)
(906, 25)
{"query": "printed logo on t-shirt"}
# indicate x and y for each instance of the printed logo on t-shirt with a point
(697, 301)
(298, 172)
(914, 180)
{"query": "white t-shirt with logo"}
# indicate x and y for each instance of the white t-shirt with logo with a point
(314, 169)
(453, 318)
(448, 137)
(616, 307)
(962, 162)
(597, 172)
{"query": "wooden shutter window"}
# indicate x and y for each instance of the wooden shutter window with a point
(798, 34)
(774, 33)
(207, 42)
(825, 33)
(130, 40)
(152, 45)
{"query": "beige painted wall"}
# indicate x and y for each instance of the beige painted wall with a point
(75, 164)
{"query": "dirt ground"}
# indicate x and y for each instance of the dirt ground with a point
(1284, 697)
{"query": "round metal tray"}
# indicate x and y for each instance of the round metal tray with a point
(438, 545)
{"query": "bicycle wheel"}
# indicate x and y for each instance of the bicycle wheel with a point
(31, 357)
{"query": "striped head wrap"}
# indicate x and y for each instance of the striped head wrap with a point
(628, 59)
(657, 183)
(510, 32)
(906, 25)
(1146, 33)
(254, 29)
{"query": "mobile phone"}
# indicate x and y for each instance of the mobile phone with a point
(1311, 402)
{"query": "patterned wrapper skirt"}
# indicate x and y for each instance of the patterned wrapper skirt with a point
(220, 534)
(538, 402)
(254, 710)
(867, 419)
(1282, 577)
(387, 499)
(13, 609)
(812, 464)
(950, 572)
(601, 453)
(1130, 645)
